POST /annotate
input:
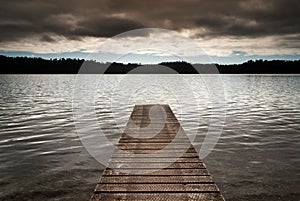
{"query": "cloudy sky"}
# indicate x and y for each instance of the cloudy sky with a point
(230, 31)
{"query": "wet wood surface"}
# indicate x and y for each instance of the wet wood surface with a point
(155, 160)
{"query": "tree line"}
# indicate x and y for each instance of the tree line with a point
(36, 65)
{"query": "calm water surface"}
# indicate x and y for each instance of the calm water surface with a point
(256, 158)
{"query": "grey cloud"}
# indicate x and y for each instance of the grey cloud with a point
(47, 38)
(104, 27)
(76, 19)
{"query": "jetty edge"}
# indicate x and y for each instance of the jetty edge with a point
(164, 166)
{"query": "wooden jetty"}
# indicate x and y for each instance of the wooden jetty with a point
(164, 166)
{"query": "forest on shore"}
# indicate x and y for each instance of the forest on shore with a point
(36, 65)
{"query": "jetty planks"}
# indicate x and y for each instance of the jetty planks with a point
(155, 161)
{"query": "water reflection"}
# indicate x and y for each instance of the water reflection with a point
(41, 156)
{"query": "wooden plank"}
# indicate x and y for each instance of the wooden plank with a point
(156, 155)
(154, 151)
(158, 196)
(155, 161)
(156, 165)
(169, 172)
(146, 187)
(157, 179)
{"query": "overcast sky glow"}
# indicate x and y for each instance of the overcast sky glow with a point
(230, 31)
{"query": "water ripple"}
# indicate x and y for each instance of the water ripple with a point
(40, 152)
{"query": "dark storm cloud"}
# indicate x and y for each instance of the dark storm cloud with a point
(47, 38)
(70, 19)
(104, 27)
(76, 19)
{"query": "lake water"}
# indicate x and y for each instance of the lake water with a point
(256, 158)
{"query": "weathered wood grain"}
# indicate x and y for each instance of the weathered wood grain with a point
(155, 161)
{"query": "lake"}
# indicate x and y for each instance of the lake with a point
(256, 157)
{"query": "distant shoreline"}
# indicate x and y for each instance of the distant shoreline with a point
(26, 65)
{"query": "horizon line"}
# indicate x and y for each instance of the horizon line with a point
(136, 63)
